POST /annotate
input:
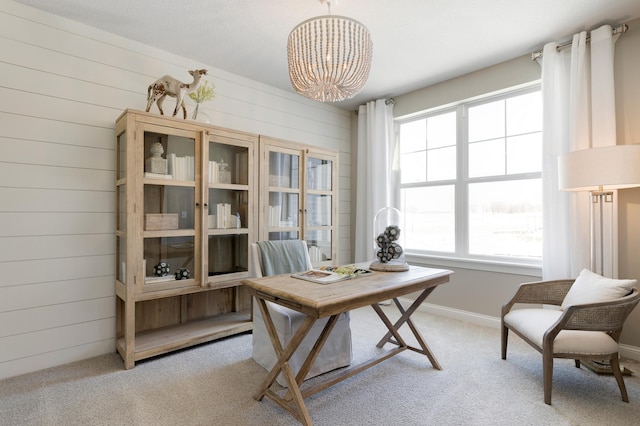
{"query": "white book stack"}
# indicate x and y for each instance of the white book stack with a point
(182, 168)
(315, 254)
(213, 172)
(223, 216)
(274, 215)
(171, 165)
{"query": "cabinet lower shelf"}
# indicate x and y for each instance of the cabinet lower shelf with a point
(166, 339)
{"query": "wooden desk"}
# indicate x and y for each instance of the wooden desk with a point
(330, 300)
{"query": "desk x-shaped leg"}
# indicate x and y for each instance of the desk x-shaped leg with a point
(406, 317)
(293, 400)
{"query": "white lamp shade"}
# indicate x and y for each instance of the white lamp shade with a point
(602, 168)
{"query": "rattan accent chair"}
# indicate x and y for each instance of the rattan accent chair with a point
(589, 331)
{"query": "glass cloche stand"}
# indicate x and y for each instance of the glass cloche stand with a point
(388, 241)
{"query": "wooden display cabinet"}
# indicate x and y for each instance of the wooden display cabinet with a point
(299, 196)
(186, 200)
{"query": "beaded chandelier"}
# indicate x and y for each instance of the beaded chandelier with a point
(329, 57)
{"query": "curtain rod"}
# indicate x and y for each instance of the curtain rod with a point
(618, 30)
(387, 101)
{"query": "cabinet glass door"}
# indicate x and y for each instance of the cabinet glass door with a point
(228, 176)
(319, 174)
(170, 202)
(319, 209)
(299, 197)
(283, 214)
(121, 207)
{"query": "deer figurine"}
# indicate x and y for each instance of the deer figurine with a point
(169, 86)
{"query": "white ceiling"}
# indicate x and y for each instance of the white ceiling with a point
(416, 43)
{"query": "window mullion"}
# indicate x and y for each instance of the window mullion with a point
(462, 203)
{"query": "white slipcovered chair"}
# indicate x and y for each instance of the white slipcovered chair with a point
(288, 256)
(586, 325)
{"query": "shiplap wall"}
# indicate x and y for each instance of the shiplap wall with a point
(63, 85)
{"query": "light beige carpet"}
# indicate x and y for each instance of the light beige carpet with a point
(213, 384)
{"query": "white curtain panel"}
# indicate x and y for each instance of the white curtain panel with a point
(375, 183)
(577, 84)
(556, 65)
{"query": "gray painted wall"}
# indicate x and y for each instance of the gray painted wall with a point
(482, 292)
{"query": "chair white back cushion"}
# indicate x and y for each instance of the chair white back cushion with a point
(590, 287)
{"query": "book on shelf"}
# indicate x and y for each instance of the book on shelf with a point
(213, 172)
(274, 215)
(332, 274)
(181, 168)
(224, 218)
(216, 175)
(315, 253)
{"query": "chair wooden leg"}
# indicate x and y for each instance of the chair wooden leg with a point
(505, 336)
(547, 374)
(615, 367)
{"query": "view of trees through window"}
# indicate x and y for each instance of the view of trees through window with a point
(470, 178)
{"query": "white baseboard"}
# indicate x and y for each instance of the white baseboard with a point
(631, 352)
(626, 351)
(443, 311)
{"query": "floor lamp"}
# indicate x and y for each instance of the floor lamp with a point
(600, 171)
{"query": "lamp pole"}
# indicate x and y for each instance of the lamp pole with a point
(598, 197)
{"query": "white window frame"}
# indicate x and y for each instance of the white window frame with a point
(461, 257)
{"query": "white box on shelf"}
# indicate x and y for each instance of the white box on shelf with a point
(160, 222)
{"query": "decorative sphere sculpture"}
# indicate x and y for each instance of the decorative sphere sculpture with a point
(387, 241)
(392, 232)
(161, 269)
(389, 249)
(182, 274)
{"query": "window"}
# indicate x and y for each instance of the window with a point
(470, 179)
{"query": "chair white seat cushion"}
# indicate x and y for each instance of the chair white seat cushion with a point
(533, 323)
(336, 352)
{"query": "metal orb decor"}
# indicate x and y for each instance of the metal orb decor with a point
(388, 252)
(182, 274)
(329, 57)
(161, 269)
(389, 248)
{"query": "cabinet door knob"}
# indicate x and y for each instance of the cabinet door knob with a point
(206, 205)
(197, 204)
